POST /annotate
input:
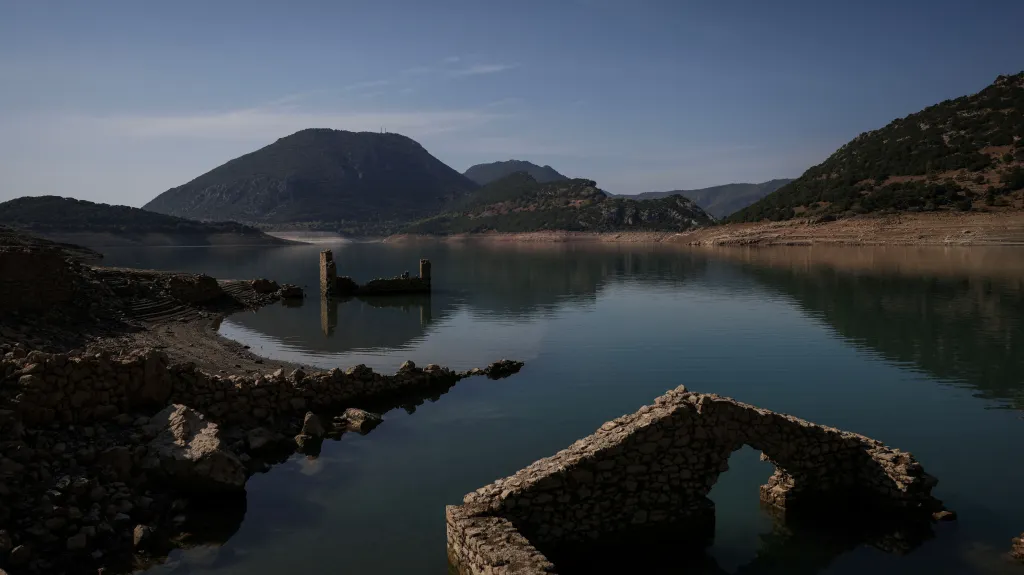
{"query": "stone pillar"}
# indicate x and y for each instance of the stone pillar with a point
(425, 270)
(328, 273)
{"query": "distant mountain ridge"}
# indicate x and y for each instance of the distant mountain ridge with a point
(961, 154)
(356, 182)
(720, 201)
(484, 174)
(519, 203)
(92, 224)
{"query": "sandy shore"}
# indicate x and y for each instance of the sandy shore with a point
(938, 228)
(541, 237)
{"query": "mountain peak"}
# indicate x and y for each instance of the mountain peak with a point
(484, 174)
(343, 180)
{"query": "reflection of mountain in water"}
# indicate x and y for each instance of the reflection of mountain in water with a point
(966, 329)
(524, 281)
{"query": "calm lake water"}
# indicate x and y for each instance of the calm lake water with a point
(922, 349)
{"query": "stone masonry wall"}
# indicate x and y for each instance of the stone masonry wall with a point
(656, 466)
(34, 279)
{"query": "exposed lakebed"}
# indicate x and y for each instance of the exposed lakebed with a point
(919, 348)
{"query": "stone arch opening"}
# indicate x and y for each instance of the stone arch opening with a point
(652, 469)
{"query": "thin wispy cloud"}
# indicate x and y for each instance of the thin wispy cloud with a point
(480, 69)
(359, 86)
(452, 59)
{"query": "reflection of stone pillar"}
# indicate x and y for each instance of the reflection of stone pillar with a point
(425, 270)
(425, 314)
(328, 315)
(328, 273)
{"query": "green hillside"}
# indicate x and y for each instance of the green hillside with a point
(960, 154)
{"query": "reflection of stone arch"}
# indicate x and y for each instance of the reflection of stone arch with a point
(657, 466)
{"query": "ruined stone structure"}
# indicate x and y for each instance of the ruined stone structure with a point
(331, 285)
(34, 279)
(656, 467)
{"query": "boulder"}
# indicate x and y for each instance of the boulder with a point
(357, 420)
(311, 426)
(189, 288)
(187, 451)
(264, 286)
(1017, 551)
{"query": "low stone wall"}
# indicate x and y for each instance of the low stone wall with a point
(656, 467)
(46, 388)
(34, 279)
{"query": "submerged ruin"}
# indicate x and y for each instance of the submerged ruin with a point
(654, 469)
(333, 285)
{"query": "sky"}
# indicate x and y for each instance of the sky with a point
(117, 101)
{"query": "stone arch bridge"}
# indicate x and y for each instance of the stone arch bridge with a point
(656, 467)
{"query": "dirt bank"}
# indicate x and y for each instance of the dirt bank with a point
(938, 228)
(541, 237)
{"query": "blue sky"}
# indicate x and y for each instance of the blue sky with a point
(117, 101)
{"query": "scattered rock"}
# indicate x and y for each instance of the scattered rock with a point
(355, 419)
(20, 555)
(141, 536)
(408, 365)
(77, 542)
(189, 452)
(289, 291)
(503, 368)
(119, 459)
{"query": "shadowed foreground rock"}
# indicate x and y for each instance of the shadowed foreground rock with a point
(654, 469)
(101, 454)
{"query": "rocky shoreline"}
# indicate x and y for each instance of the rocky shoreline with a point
(127, 423)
